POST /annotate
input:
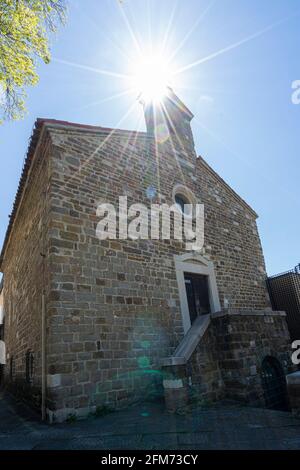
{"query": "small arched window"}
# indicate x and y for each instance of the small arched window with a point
(184, 199)
(182, 202)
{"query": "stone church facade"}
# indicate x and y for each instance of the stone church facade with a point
(93, 323)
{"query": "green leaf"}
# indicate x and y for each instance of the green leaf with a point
(24, 29)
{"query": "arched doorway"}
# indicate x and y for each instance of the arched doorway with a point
(274, 384)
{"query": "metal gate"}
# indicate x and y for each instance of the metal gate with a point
(274, 384)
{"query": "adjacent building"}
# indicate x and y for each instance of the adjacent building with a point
(284, 290)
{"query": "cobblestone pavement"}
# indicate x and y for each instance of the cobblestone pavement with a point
(149, 426)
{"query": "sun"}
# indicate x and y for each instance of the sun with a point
(151, 78)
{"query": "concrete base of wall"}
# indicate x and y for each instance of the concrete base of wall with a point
(59, 416)
(176, 390)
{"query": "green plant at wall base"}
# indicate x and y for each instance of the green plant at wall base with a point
(72, 418)
(103, 410)
(24, 29)
(199, 401)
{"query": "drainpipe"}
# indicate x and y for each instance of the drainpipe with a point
(43, 358)
(43, 322)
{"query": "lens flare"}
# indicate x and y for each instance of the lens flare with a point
(151, 78)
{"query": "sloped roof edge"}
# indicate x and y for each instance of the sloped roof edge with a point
(228, 187)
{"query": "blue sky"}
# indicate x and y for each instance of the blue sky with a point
(245, 124)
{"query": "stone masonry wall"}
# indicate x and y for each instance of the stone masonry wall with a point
(114, 309)
(244, 339)
(232, 242)
(227, 362)
(206, 381)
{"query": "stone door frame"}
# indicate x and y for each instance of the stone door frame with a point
(196, 264)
